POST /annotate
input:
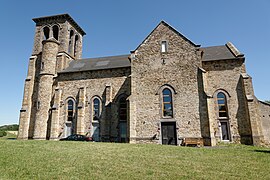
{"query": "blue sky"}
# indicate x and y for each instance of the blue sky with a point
(116, 27)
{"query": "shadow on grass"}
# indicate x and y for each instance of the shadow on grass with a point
(263, 151)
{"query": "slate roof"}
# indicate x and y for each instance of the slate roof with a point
(217, 53)
(89, 64)
(213, 53)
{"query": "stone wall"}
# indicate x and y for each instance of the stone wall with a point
(95, 83)
(225, 76)
(265, 120)
(151, 70)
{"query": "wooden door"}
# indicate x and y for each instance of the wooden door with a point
(168, 130)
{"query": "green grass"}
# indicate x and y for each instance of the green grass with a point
(82, 160)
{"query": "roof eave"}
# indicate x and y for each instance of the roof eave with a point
(63, 16)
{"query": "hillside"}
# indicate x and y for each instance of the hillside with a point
(12, 127)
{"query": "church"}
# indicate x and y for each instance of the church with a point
(166, 90)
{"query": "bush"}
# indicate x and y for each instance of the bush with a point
(3, 133)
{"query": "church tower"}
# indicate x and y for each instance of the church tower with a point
(58, 40)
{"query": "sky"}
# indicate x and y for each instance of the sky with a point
(119, 26)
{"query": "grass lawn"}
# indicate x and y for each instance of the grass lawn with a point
(82, 160)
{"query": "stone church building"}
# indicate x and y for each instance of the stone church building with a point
(164, 91)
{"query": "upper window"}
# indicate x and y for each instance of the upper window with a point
(46, 32)
(167, 103)
(164, 46)
(96, 109)
(70, 108)
(222, 105)
(75, 45)
(55, 32)
(70, 41)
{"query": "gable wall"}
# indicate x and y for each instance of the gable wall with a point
(149, 74)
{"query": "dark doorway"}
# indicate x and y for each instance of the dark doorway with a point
(168, 130)
(225, 131)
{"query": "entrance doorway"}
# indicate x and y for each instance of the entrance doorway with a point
(68, 129)
(95, 132)
(224, 131)
(168, 130)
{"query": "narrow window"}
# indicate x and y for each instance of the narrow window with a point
(55, 32)
(167, 103)
(46, 33)
(38, 105)
(42, 66)
(222, 105)
(96, 109)
(75, 45)
(164, 46)
(123, 119)
(70, 110)
(70, 41)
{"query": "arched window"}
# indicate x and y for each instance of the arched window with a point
(46, 33)
(55, 31)
(70, 41)
(167, 106)
(123, 119)
(70, 113)
(222, 105)
(96, 109)
(75, 45)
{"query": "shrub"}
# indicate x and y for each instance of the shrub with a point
(3, 133)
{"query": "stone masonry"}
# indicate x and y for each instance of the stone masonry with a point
(166, 90)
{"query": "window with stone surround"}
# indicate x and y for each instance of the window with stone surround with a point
(167, 106)
(222, 105)
(55, 32)
(76, 45)
(46, 33)
(223, 116)
(70, 110)
(96, 109)
(71, 34)
(122, 119)
(164, 46)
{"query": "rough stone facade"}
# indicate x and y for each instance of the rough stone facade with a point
(166, 90)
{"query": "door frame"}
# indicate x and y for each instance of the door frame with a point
(228, 129)
(160, 129)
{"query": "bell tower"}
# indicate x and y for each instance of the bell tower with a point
(57, 41)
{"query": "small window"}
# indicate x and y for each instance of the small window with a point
(46, 32)
(164, 46)
(42, 66)
(70, 41)
(167, 103)
(55, 32)
(222, 105)
(96, 109)
(76, 45)
(70, 110)
(38, 105)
